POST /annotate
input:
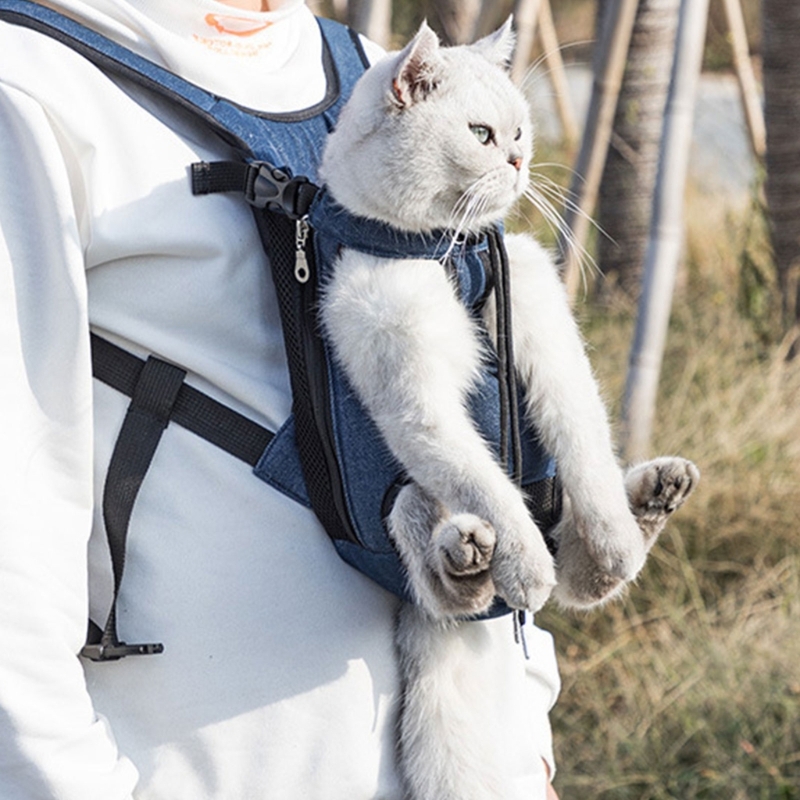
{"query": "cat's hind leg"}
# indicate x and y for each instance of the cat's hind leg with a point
(448, 557)
(655, 490)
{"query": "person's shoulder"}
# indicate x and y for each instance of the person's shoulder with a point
(38, 64)
(66, 85)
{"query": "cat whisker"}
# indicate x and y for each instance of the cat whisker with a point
(554, 190)
(470, 207)
(555, 222)
(534, 73)
(553, 165)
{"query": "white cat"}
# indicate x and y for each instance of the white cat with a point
(439, 138)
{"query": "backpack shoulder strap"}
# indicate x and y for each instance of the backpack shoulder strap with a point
(344, 61)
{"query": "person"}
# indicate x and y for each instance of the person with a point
(278, 677)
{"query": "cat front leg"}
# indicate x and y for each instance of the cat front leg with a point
(412, 353)
(655, 490)
(564, 403)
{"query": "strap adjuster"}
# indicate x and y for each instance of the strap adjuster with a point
(118, 650)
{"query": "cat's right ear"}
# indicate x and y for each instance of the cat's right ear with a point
(417, 70)
(498, 47)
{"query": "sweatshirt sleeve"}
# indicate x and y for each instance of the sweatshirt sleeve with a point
(52, 744)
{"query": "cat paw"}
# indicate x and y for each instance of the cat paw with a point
(523, 572)
(585, 577)
(596, 561)
(658, 488)
(597, 555)
(462, 550)
(465, 544)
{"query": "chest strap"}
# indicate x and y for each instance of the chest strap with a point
(158, 396)
(263, 185)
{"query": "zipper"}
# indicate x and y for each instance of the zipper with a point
(317, 373)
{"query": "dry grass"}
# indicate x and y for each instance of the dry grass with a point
(690, 688)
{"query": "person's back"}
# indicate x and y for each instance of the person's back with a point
(278, 676)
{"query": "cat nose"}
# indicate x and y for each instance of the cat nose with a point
(516, 162)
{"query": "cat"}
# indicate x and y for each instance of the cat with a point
(439, 138)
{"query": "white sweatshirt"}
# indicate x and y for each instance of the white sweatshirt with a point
(278, 678)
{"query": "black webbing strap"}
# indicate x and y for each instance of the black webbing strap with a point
(193, 410)
(158, 396)
(148, 415)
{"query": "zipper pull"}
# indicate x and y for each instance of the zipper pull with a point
(302, 273)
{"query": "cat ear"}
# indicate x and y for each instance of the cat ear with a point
(498, 47)
(418, 68)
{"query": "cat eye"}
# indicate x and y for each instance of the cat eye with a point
(483, 133)
(518, 135)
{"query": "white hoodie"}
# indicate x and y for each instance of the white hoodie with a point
(278, 678)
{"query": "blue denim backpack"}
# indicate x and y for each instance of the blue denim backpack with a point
(328, 455)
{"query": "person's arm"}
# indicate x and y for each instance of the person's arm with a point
(52, 744)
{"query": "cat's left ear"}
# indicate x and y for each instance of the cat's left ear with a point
(498, 47)
(418, 68)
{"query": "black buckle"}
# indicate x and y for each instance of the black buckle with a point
(274, 189)
(118, 650)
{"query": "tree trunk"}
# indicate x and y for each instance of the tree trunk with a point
(526, 18)
(666, 234)
(626, 189)
(608, 69)
(782, 113)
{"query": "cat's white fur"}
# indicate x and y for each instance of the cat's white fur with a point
(406, 152)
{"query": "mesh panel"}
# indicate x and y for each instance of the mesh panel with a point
(297, 303)
(545, 502)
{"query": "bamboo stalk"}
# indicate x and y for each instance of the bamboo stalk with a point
(748, 89)
(487, 17)
(666, 235)
(526, 13)
(609, 68)
(558, 77)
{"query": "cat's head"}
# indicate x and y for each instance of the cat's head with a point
(433, 137)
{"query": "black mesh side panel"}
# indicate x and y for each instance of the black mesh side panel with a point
(545, 501)
(308, 374)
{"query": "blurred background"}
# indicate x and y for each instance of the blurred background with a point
(690, 687)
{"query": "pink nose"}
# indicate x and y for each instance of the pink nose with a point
(516, 163)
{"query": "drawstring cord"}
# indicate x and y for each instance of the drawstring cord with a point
(510, 441)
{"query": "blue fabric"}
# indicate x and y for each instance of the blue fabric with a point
(280, 465)
(335, 226)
